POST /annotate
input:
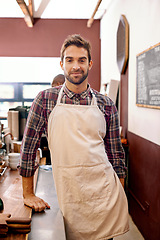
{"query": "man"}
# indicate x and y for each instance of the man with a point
(85, 123)
(58, 80)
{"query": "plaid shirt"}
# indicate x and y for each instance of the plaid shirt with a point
(37, 123)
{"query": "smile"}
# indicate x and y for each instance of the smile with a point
(76, 73)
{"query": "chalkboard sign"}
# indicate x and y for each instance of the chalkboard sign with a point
(148, 78)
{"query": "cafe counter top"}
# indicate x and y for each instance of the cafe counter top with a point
(49, 224)
(46, 225)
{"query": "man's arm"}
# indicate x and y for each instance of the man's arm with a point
(30, 143)
(113, 144)
(29, 197)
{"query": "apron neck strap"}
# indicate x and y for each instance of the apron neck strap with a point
(93, 102)
(60, 94)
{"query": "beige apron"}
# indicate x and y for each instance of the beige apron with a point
(90, 195)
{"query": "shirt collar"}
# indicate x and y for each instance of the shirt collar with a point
(83, 95)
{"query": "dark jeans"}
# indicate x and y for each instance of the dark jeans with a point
(110, 239)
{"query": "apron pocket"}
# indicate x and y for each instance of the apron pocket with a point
(83, 183)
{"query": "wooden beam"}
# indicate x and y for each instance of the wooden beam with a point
(90, 21)
(27, 11)
(30, 7)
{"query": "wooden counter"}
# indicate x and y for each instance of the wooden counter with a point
(45, 225)
(11, 194)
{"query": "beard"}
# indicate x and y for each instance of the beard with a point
(76, 80)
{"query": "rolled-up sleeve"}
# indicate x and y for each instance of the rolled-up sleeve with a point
(31, 138)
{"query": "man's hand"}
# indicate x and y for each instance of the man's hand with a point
(35, 203)
(29, 197)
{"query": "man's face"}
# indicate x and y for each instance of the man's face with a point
(76, 65)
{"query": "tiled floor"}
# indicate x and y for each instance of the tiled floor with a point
(133, 233)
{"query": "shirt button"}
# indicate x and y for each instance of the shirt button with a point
(77, 101)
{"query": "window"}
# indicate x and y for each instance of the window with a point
(18, 94)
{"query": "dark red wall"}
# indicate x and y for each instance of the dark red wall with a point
(45, 40)
(144, 185)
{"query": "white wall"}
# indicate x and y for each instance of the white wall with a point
(143, 17)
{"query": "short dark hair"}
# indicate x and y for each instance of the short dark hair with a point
(78, 41)
(58, 80)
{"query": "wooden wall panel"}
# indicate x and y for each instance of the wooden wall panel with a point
(144, 185)
(124, 103)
